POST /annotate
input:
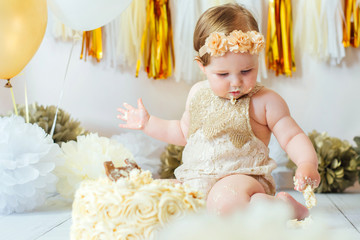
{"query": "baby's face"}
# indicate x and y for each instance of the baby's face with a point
(232, 75)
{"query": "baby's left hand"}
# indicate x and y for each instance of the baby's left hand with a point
(307, 174)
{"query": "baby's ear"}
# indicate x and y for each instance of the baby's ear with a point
(201, 66)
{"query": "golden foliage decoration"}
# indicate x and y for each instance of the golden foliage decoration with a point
(66, 128)
(171, 158)
(357, 149)
(338, 162)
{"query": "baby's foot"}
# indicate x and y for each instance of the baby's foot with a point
(300, 210)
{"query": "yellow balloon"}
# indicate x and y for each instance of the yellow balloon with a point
(22, 28)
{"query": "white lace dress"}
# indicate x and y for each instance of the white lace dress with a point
(221, 142)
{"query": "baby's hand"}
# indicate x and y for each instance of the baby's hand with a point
(306, 174)
(135, 118)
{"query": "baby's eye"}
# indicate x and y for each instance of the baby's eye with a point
(245, 71)
(222, 74)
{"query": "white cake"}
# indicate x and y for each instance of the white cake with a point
(134, 207)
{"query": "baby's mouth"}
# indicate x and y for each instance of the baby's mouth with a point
(235, 94)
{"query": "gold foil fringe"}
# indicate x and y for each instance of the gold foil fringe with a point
(92, 44)
(279, 41)
(351, 26)
(157, 41)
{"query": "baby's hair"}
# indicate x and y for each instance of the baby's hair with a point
(225, 18)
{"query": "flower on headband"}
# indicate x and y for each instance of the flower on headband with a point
(238, 42)
(258, 42)
(215, 45)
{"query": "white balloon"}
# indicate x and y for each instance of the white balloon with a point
(85, 15)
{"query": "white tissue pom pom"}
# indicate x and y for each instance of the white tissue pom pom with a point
(262, 220)
(84, 159)
(145, 149)
(27, 158)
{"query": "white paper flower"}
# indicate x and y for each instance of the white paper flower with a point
(84, 160)
(27, 158)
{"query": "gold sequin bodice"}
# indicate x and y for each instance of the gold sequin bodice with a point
(216, 116)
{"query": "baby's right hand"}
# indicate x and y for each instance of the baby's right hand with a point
(135, 118)
(306, 174)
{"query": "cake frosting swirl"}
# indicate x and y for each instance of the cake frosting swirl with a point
(130, 208)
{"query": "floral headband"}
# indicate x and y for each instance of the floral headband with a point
(217, 43)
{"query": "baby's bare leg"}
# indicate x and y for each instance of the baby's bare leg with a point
(299, 211)
(237, 191)
(232, 192)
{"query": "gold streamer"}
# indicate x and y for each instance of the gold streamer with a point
(92, 44)
(351, 26)
(157, 41)
(279, 40)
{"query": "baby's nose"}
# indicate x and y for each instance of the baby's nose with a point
(236, 81)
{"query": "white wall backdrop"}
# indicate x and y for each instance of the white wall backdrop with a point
(320, 96)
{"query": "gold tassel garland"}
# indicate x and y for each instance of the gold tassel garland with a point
(279, 41)
(351, 26)
(92, 44)
(157, 41)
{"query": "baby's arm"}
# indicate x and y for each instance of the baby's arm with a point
(170, 131)
(293, 140)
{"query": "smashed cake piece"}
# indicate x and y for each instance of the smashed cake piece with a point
(309, 195)
(295, 224)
